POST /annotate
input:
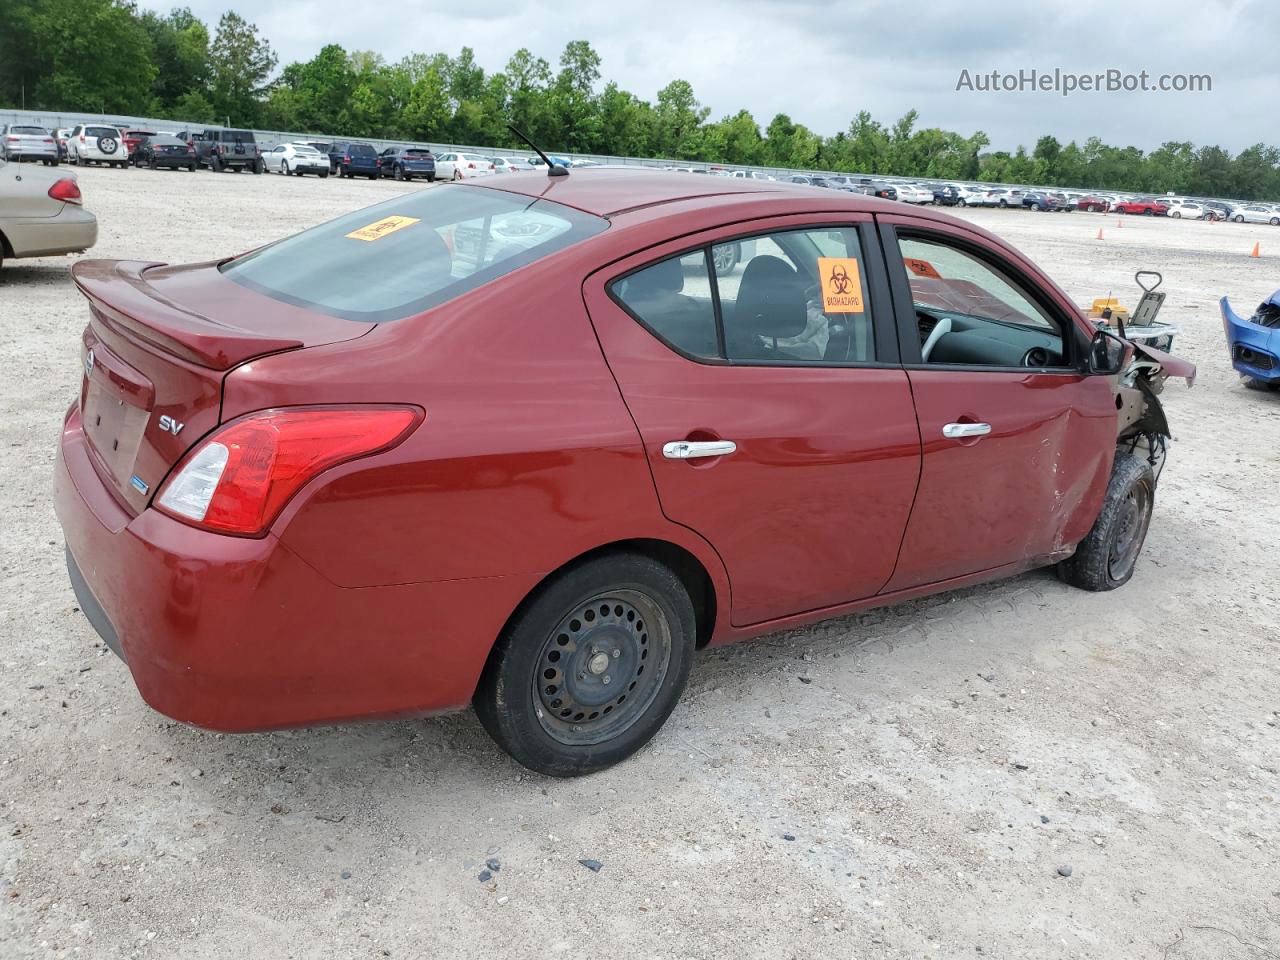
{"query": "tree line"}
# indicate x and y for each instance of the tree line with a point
(106, 56)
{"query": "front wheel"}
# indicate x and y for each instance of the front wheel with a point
(1106, 558)
(284, 168)
(589, 669)
(1176, 215)
(1239, 219)
(962, 202)
(1004, 203)
(457, 174)
(431, 178)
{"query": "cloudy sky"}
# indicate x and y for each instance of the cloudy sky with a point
(821, 61)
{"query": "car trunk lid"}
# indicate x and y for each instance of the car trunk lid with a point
(159, 343)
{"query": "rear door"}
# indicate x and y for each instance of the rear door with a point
(776, 419)
(1017, 440)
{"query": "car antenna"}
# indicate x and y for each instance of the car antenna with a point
(553, 169)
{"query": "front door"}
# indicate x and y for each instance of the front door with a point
(1017, 440)
(761, 370)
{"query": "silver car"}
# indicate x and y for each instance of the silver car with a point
(42, 214)
(24, 142)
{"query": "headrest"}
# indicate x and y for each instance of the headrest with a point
(770, 300)
(666, 276)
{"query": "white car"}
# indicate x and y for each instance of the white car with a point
(297, 159)
(1255, 213)
(508, 165)
(971, 196)
(96, 143)
(912, 193)
(459, 166)
(1186, 209)
(751, 175)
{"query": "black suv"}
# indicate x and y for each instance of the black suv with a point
(226, 150)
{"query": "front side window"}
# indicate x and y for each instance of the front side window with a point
(970, 313)
(409, 254)
(780, 298)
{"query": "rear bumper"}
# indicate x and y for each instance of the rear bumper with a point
(240, 634)
(72, 230)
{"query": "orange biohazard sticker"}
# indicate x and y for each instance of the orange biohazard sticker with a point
(841, 285)
(381, 228)
(921, 268)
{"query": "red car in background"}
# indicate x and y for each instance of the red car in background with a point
(1144, 206)
(133, 137)
(1094, 204)
(518, 443)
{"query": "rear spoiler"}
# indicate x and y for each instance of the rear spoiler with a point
(121, 295)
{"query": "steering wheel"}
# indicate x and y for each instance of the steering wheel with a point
(940, 330)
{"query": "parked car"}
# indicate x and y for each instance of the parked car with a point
(458, 166)
(508, 165)
(984, 198)
(911, 193)
(884, 191)
(1005, 197)
(220, 150)
(42, 214)
(1188, 209)
(1216, 209)
(296, 159)
(158, 150)
(946, 195)
(1254, 343)
(132, 137)
(1255, 213)
(356, 159)
(970, 196)
(96, 143)
(1043, 201)
(405, 163)
(309, 478)
(1094, 203)
(754, 175)
(60, 138)
(1144, 206)
(20, 141)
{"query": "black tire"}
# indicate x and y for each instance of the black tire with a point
(1107, 557)
(284, 168)
(215, 163)
(1004, 203)
(725, 257)
(1239, 219)
(259, 167)
(191, 168)
(1176, 215)
(1274, 221)
(562, 646)
(398, 172)
(1253, 383)
(324, 174)
(151, 164)
(431, 178)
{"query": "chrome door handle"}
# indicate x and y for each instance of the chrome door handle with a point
(957, 431)
(691, 449)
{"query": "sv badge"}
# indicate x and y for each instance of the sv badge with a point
(170, 425)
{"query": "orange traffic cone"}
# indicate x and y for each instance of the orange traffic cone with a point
(1099, 234)
(1257, 251)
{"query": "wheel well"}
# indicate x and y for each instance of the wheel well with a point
(5, 247)
(680, 561)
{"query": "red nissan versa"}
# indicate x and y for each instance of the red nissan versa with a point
(528, 442)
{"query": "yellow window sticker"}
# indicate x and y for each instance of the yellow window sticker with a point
(841, 285)
(381, 228)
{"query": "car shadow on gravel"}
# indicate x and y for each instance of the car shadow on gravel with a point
(27, 275)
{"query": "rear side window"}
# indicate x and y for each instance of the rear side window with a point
(794, 296)
(412, 253)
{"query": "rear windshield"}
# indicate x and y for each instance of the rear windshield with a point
(412, 253)
(418, 153)
(37, 131)
(237, 136)
(361, 150)
(160, 140)
(101, 132)
(305, 148)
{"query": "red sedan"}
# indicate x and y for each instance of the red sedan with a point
(1143, 206)
(527, 443)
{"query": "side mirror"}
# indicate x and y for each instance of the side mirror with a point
(1106, 353)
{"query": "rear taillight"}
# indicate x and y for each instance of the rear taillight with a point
(471, 166)
(11, 139)
(66, 190)
(238, 479)
(82, 138)
(346, 159)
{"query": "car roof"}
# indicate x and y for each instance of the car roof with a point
(605, 191)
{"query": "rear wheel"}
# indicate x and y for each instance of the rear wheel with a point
(591, 667)
(1004, 203)
(1239, 219)
(457, 174)
(1106, 558)
(725, 256)
(215, 163)
(399, 172)
(1176, 215)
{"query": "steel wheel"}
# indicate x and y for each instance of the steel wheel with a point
(1131, 530)
(602, 666)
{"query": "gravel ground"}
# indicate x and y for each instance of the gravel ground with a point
(900, 783)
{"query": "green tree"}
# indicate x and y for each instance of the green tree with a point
(180, 49)
(239, 64)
